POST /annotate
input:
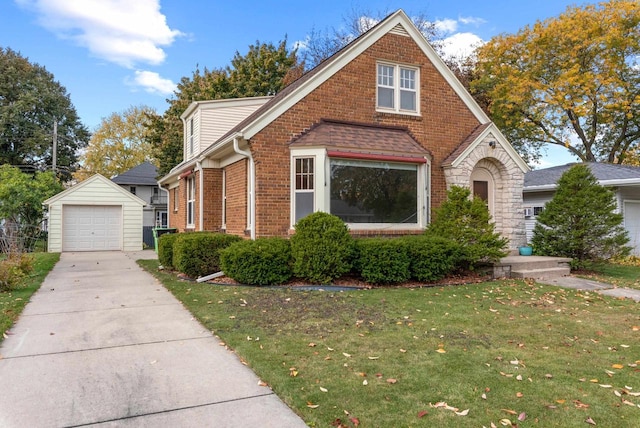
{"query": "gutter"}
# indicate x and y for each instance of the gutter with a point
(252, 181)
(200, 194)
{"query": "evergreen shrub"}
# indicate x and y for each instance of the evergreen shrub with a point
(432, 257)
(383, 260)
(265, 261)
(322, 248)
(165, 249)
(197, 254)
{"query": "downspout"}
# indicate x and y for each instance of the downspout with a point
(164, 189)
(252, 187)
(200, 195)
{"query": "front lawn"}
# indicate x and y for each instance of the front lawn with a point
(497, 352)
(13, 302)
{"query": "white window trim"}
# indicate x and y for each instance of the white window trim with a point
(190, 137)
(322, 199)
(191, 184)
(295, 191)
(396, 89)
(224, 199)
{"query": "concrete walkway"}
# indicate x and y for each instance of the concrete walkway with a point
(589, 285)
(103, 343)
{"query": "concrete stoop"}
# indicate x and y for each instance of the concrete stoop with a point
(536, 267)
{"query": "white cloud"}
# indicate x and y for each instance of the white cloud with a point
(153, 83)
(471, 20)
(460, 45)
(446, 25)
(125, 32)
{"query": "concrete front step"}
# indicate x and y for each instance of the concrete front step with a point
(537, 267)
(546, 273)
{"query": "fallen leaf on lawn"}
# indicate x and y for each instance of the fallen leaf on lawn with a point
(441, 351)
(594, 381)
(519, 394)
(519, 377)
(617, 366)
(522, 416)
(560, 401)
(548, 376)
(590, 421)
(625, 346)
(392, 381)
(580, 405)
(361, 374)
(365, 383)
(484, 396)
(606, 386)
(311, 345)
(324, 389)
(628, 403)
(422, 413)
(311, 405)
(403, 350)
(355, 421)
(514, 362)
(346, 355)
(378, 375)
(330, 349)
(511, 412)
(373, 358)
(463, 413)
(293, 372)
(232, 317)
(505, 422)
(262, 383)
(635, 328)
(610, 373)
(618, 393)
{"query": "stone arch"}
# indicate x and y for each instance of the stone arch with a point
(489, 171)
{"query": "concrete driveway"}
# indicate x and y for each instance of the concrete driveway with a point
(103, 343)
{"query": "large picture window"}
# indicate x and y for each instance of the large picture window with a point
(397, 88)
(374, 192)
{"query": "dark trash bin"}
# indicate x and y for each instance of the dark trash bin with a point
(158, 232)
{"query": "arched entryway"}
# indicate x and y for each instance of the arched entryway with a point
(483, 186)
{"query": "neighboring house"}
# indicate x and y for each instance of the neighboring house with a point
(142, 181)
(375, 135)
(95, 215)
(624, 180)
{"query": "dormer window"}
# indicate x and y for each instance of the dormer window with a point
(397, 88)
(191, 137)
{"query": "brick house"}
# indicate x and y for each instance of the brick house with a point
(375, 134)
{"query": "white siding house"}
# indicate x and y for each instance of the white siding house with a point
(623, 180)
(95, 215)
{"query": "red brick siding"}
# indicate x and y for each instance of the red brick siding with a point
(212, 203)
(236, 191)
(351, 95)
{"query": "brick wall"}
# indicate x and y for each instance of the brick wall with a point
(236, 190)
(351, 95)
(212, 204)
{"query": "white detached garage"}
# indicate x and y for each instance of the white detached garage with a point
(95, 215)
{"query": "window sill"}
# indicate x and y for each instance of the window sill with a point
(383, 112)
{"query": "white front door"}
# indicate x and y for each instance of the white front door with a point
(91, 228)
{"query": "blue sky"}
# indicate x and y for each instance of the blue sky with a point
(113, 54)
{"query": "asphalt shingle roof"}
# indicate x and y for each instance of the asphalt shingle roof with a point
(142, 175)
(602, 171)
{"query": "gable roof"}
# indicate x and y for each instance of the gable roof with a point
(88, 182)
(607, 174)
(361, 137)
(476, 137)
(397, 23)
(143, 175)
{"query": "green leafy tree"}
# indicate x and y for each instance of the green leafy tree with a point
(571, 81)
(580, 221)
(21, 197)
(264, 70)
(31, 101)
(118, 144)
(467, 221)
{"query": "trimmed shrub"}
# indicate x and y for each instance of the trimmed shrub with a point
(322, 248)
(165, 249)
(265, 261)
(197, 254)
(432, 257)
(13, 269)
(383, 260)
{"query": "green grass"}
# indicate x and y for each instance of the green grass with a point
(617, 275)
(13, 302)
(468, 346)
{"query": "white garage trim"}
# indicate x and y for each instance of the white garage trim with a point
(631, 213)
(91, 227)
(95, 215)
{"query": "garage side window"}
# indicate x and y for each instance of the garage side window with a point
(191, 201)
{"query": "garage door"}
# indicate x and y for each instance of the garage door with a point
(632, 224)
(91, 228)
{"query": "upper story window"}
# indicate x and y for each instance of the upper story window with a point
(132, 189)
(191, 143)
(397, 88)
